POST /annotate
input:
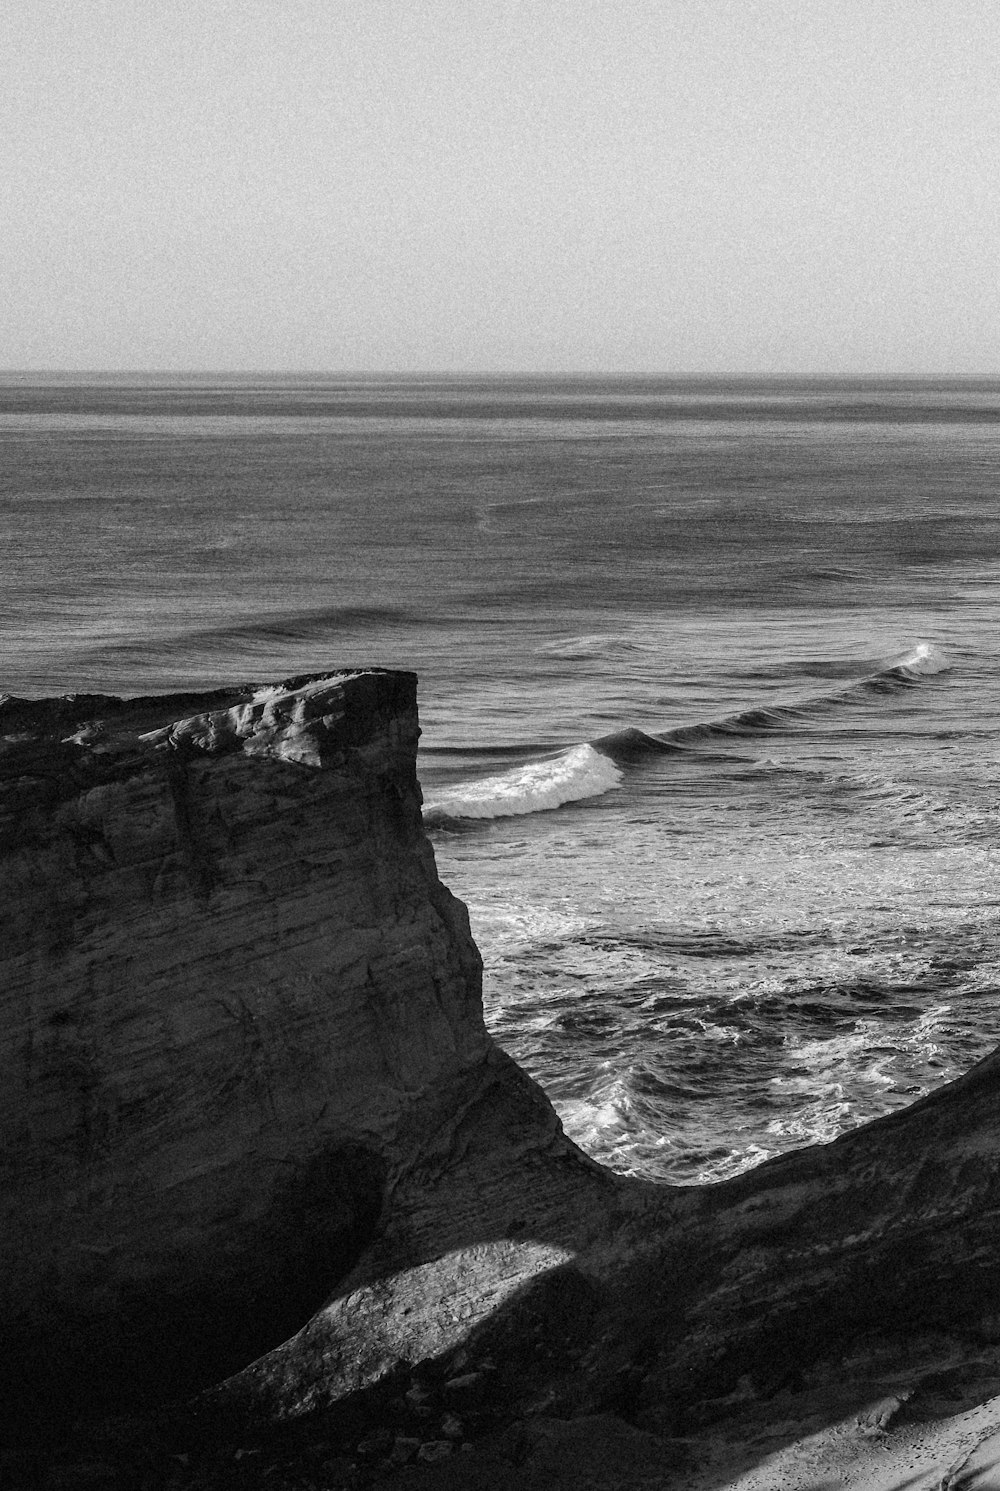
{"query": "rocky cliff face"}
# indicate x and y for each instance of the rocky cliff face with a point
(231, 977)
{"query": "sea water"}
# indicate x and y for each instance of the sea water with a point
(707, 685)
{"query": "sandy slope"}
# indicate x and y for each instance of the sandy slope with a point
(961, 1452)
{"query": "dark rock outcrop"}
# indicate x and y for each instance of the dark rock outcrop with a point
(238, 1005)
(254, 1129)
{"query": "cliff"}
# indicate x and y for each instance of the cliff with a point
(258, 1147)
(237, 1007)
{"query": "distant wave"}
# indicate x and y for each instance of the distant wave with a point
(297, 625)
(924, 658)
(592, 645)
(597, 766)
(577, 773)
(921, 661)
(263, 632)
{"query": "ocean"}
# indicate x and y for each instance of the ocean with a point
(708, 691)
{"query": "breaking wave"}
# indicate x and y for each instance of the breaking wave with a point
(532, 788)
(597, 766)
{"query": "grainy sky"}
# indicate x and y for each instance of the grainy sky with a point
(764, 186)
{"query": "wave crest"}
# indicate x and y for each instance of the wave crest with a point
(539, 785)
(922, 661)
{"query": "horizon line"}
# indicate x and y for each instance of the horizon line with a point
(581, 375)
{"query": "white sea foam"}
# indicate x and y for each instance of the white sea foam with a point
(602, 1122)
(532, 788)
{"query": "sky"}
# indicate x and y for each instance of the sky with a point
(678, 186)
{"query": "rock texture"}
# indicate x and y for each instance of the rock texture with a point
(256, 1140)
(677, 1308)
(229, 973)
